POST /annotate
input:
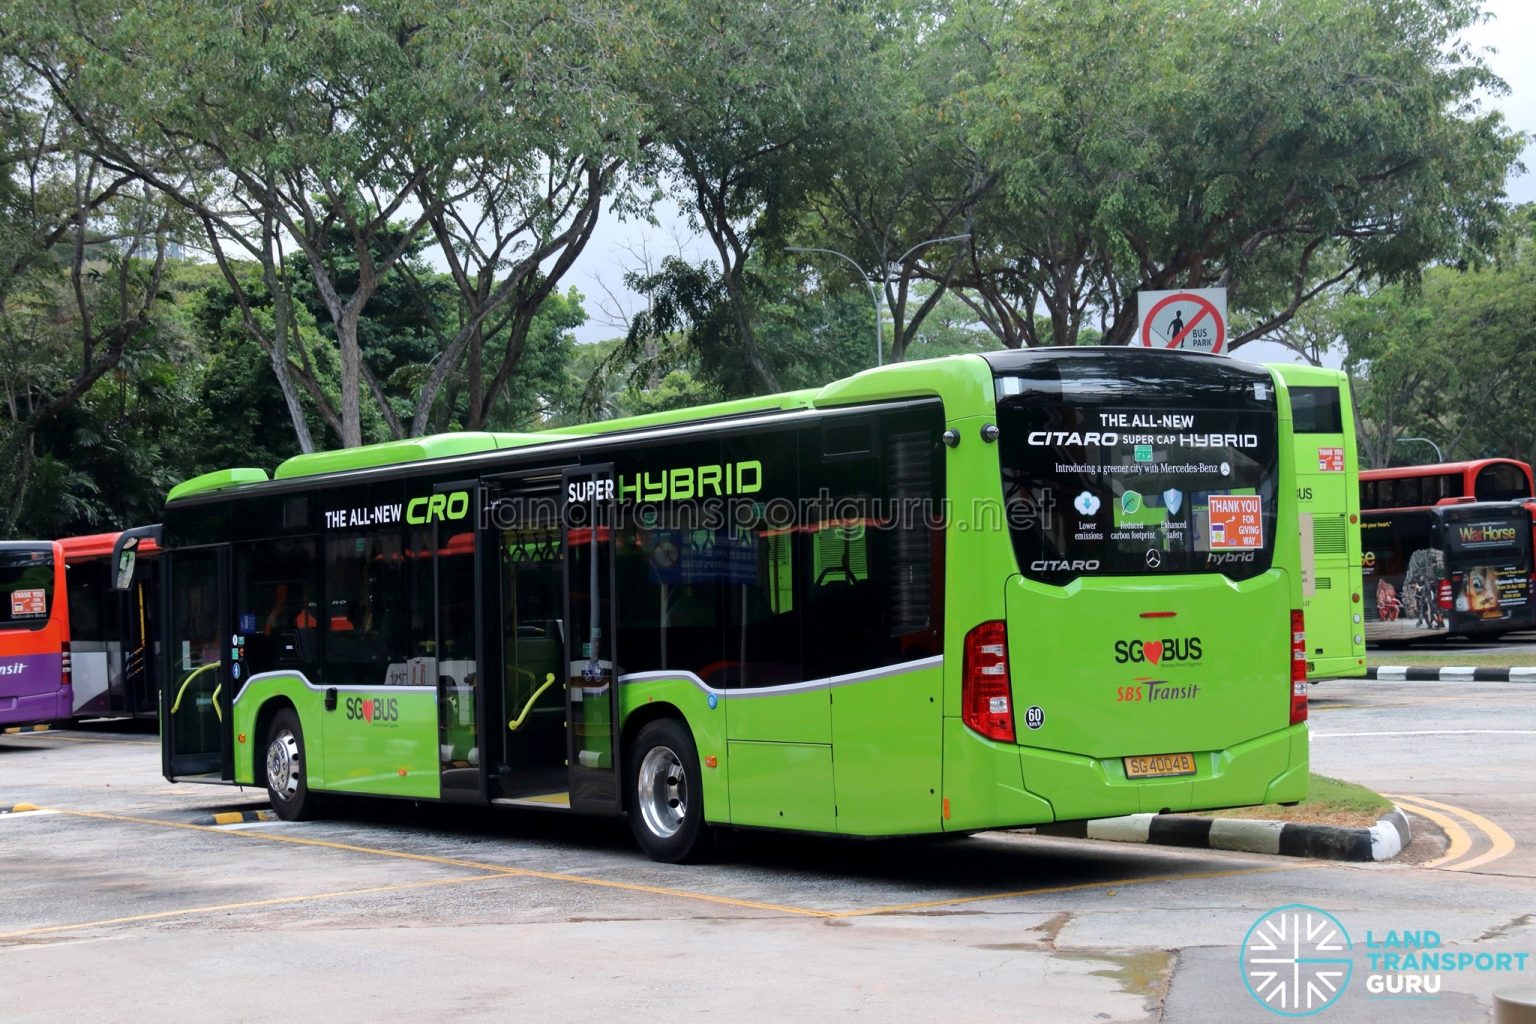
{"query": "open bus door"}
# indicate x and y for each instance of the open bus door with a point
(592, 695)
(548, 639)
(196, 694)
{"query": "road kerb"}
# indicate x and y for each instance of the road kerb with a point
(1382, 841)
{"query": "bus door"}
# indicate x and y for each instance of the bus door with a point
(525, 639)
(589, 521)
(196, 697)
(457, 664)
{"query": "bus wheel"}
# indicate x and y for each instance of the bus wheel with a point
(666, 811)
(287, 783)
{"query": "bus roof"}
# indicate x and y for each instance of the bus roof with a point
(1435, 468)
(100, 545)
(898, 380)
(1306, 373)
(920, 378)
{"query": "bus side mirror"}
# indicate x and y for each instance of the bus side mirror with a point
(125, 564)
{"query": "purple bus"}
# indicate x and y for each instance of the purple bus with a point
(34, 634)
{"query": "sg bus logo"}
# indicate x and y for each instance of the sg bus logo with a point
(1155, 651)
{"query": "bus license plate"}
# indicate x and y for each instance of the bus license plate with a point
(1157, 765)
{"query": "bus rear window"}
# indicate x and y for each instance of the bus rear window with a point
(26, 589)
(1501, 481)
(1316, 410)
(1138, 464)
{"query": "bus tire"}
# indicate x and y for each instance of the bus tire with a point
(287, 769)
(666, 797)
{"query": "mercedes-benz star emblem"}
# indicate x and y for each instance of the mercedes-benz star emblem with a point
(1154, 559)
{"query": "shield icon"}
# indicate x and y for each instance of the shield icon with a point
(1173, 500)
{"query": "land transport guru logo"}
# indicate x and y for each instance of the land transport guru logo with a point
(1296, 960)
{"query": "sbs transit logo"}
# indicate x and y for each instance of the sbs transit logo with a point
(1297, 960)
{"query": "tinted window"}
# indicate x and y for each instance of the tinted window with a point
(367, 615)
(1502, 482)
(875, 553)
(1435, 489)
(1138, 464)
(278, 606)
(1316, 410)
(26, 589)
(92, 604)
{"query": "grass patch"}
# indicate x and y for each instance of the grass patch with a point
(1491, 659)
(1328, 802)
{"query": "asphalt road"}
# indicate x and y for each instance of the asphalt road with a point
(1522, 642)
(117, 905)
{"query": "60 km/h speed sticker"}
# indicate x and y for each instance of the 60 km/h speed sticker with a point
(1194, 320)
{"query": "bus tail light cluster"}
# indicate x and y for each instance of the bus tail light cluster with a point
(65, 669)
(986, 698)
(1298, 666)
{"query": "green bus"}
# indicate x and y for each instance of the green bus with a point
(1328, 498)
(941, 596)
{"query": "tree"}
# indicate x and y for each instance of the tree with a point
(82, 256)
(1454, 360)
(1225, 142)
(899, 175)
(742, 104)
(297, 122)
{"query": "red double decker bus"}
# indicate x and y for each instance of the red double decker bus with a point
(1445, 483)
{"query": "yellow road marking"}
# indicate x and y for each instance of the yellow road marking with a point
(1047, 890)
(1461, 842)
(506, 871)
(244, 905)
(1500, 842)
(501, 869)
(81, 739)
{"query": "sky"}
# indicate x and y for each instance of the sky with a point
(617, 246)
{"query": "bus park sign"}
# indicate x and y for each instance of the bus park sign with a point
(1194, 319)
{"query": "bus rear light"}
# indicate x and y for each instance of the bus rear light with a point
(1298, 666)
(986, 700)
(65, 669)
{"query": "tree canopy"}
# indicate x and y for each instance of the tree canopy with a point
(232, 232)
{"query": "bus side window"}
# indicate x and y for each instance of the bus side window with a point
(365, 625)
(277, 605)
(876, 558)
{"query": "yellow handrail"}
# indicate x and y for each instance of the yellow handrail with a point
(188, 681)
(517, 723)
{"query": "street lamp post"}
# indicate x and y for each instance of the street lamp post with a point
(873, 281)
(1424, 440)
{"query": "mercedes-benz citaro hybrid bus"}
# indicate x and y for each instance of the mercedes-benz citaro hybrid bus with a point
(944, 596)
(1328, 508)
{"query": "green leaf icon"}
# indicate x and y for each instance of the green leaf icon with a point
(1130, 502)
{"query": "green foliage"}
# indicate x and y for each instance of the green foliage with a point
(1453, 360)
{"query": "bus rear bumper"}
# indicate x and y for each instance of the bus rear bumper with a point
(37, 707)
(1271, 768)
(994, 785)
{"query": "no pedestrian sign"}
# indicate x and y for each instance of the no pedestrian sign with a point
(1194, 320)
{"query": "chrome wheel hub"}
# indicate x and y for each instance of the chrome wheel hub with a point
(663, 792)
(283, 765)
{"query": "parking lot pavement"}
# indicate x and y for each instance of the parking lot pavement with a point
(115, 899)
(1456, 755)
